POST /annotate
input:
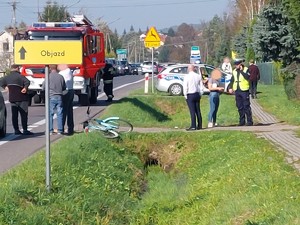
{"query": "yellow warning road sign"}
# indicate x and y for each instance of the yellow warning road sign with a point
(48, 52)
(152, 35)
(152, 44)
(152, 38)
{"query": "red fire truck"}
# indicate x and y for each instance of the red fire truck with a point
(86, 75)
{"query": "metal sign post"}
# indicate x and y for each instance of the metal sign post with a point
(47, 114)
(152, 40)
(152, 77)
(47, 109)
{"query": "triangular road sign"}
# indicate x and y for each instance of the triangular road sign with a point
(152, 35)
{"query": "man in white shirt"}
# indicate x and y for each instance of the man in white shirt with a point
(192, 88)
(65, 71)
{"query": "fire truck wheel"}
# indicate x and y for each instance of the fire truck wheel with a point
(37, 99)
(83, 99)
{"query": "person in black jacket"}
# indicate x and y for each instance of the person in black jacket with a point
(17, 88)
(253, 78)
(108, 76)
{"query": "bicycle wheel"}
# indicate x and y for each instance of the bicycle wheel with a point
(110, 134)
(119, 125)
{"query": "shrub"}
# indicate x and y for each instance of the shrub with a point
(291, 84)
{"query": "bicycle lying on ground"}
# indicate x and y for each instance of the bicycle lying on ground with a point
(110, 127)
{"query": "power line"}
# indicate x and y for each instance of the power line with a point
(134, 5)
(150, 4)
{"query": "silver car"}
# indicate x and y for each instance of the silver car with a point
(147, 67)
(170, 79)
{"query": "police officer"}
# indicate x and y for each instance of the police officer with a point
(239, 84)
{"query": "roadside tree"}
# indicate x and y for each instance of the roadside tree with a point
(292, 10)
(273, 37)
(53, 12)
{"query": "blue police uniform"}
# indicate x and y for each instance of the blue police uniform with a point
(240, 84)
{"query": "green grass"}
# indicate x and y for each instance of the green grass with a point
(221, 180)
(169, 111)
(215, 177)
(92, 182)
(162, 110)
(274, 100)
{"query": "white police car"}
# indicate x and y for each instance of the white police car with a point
(170, 79)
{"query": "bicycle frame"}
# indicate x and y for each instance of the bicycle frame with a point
(107, 125)
(106, 131)
(111, 126)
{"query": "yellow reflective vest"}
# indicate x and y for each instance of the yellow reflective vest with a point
(243, 83)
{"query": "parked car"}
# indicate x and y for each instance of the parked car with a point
(122, 67)
(160, 67)
(147, 67)
(3, 114)
(111, 61)
(171, 78)
(136, 69)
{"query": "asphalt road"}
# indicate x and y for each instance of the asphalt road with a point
(16, 148)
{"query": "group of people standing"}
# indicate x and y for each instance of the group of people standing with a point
(61, 96)
(243, 83)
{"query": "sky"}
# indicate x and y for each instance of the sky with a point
(121, 14)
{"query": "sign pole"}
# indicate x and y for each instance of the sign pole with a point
(47, 113)
(152, 80)
(152, 40)
(48, 166)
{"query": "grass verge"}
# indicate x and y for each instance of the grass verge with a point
(274, 100)
(216, 179)
(92, 183)
(162, 178)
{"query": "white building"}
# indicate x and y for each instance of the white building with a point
(6, 50)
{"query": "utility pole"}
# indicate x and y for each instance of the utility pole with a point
(14, 7)
(14, 21)
(39, 15)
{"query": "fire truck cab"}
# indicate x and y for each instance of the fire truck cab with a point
(87, 75)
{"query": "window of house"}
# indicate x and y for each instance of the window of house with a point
(5, 46)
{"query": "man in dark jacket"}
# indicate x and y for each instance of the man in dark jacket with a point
(108, 76)
(17, 88)
(254, 78)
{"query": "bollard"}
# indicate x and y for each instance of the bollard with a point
(146, 82)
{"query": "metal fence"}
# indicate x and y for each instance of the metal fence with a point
(267, 73)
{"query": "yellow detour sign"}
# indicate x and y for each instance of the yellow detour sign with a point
(48, 52)
(152, 39)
